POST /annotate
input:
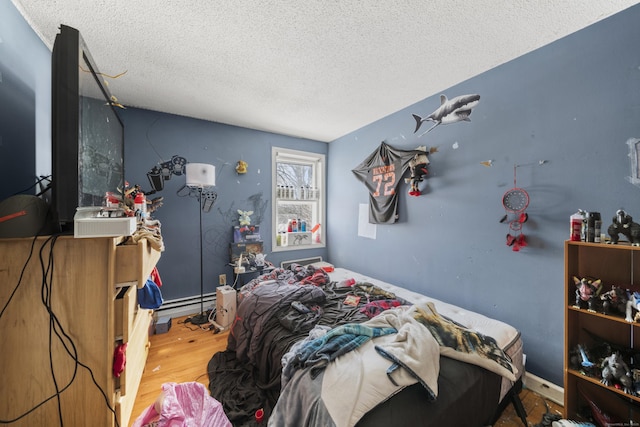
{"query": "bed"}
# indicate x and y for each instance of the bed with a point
(385, 371)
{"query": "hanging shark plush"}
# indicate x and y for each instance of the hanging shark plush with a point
(450, 111)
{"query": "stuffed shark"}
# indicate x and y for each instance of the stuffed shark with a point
(450, 111)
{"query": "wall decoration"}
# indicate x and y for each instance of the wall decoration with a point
(418, 167)
(241, 167)
(634, 157)
(515, 201)
(382, 172)
(163, 171)
(450, 111)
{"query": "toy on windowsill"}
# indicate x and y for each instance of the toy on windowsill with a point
(623, 224)
(587, 292)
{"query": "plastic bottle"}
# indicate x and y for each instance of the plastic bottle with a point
(294, 225)
(139, 203)
(576, 226)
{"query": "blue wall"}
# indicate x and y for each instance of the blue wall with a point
(152, 138)
(571, 105)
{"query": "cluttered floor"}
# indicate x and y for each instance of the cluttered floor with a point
(182, 354)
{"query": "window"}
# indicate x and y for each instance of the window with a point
(298, 200)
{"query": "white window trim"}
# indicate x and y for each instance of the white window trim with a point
(303, 156)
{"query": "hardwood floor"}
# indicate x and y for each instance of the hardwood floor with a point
(182, 354)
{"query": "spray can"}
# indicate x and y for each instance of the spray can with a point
(576, 226)
(594, 226)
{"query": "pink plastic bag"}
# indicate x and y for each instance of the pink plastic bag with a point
(184, 405)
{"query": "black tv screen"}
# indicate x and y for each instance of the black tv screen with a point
(87, 134)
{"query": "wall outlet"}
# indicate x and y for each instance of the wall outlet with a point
(222, 279)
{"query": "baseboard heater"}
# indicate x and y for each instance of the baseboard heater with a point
(185, 306)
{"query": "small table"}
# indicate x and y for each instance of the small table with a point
(239, 278)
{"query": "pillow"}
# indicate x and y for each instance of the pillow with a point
(466, 345)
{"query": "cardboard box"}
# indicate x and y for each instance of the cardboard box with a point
(246, 233)
(163, 325)
(244, 249)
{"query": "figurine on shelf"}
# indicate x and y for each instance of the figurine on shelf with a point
(580, 360)
(623, 224)
(614, 369)
(586, 292)
(614, 301)
(633, 307)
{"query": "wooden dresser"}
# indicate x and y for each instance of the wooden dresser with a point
(90, 287)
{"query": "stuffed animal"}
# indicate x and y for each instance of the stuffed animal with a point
(245, 217)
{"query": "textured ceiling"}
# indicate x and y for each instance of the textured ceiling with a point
(312, 69)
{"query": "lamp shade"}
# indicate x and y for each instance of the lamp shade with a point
(200, 175)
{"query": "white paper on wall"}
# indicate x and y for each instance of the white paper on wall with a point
(365, 228)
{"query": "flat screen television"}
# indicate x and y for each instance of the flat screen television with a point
(87, 133)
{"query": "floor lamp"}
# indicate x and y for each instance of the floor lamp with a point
(200, 177)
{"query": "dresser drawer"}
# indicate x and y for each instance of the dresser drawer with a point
(134, 263)
(126, 309)
(136, 357)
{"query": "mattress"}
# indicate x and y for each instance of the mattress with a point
(507, 337)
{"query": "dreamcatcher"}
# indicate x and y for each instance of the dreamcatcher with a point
(515, 202)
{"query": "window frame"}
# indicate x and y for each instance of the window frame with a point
(318, 162)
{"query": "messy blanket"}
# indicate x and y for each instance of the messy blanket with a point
(371, 346)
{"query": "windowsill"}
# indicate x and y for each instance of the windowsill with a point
(297, 248)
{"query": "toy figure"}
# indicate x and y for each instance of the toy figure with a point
(614, 301)
(245, 217)
(241, 167)
(615, 369)
(633, 305)
(418, 167)
(623, 224)
(587, 291)
(260, 260)
(580, 359)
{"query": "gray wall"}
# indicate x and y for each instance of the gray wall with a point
(571, 105)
